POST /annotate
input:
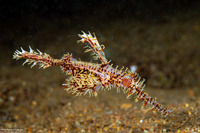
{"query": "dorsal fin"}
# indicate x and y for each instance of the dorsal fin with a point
(93, 45)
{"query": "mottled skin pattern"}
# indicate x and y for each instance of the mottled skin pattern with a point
(90, 77)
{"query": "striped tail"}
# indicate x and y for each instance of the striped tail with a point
(141, 95)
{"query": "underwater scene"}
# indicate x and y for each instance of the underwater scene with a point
(99, 66)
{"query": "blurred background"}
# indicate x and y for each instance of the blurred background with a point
(160, 38)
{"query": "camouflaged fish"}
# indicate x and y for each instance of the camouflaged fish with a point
(88, 78)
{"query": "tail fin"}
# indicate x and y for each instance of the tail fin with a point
(137, 87)
(141, 95)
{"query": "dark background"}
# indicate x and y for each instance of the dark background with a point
(99, 9)
(160, 37)
(158, 29)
